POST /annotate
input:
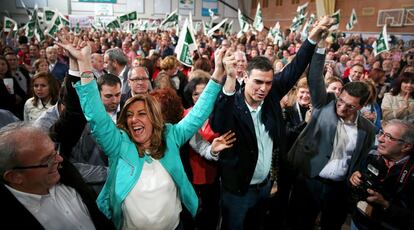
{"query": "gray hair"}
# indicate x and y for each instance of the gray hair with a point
(116, 54)
(408, 135)
(11, 141)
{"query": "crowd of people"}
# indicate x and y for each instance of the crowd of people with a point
(116, 133)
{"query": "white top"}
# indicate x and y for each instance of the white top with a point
(31, 112)
(337, 168)
(61, 209)
(153, 203)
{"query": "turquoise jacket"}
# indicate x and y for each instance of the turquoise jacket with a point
(125, 165)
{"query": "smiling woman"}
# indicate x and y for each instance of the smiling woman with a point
(147, 182)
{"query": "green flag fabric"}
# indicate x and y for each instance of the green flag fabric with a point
(9, 24)
(381, 44)
(337, 17)
(352, 20)
(132, 16)
(258, 19)
(186, 45)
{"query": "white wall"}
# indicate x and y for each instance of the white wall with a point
(74, 7)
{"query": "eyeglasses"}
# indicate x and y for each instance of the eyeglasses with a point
(340, 101)
(388, 136)
(48, 164)
(139, 79)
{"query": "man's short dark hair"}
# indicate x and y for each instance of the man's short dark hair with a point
(108, 79)
(357, 64)
(260, 63)
(357, 89)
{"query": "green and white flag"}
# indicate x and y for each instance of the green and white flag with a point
(132, 16)
(123, 18)
(30, 29)
(144, 25)
(228, 28)
(337, 17)
(297, 22)
(77, 29)
(244, 24)
(171, 18)
(301, 10)
(8, 24)
(381, 44)
(52, 30)
(258, 20)
(114, 24)
(352, 20)
(278, 37)
(39, 33)
(48, 15)
(307, 27)
(186, 45)
(216, 27)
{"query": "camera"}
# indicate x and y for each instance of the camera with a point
(371, 179)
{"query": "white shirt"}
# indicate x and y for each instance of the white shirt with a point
(153, 203)
(31, 112)
(336, 169)
(61, 209)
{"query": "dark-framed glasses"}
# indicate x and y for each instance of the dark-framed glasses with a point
(51, 160)
(388, 136)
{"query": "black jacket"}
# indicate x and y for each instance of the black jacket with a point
(238, 163)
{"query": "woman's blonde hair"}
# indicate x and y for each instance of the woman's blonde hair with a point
(169, 62)
(153, 109)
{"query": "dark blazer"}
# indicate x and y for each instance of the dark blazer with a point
(238, 163)
(294, 125)
(13, 210)
(59, 71)
(313, 148)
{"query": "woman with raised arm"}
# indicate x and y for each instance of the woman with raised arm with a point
(147, 182)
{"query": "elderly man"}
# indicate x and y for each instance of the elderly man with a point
(41, 189)
(355, 74)
(97, 65)
(57, 68)
(384, 188)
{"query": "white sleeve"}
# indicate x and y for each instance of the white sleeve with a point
(202, 147)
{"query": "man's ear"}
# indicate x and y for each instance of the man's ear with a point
(407, 148)
(12, 177)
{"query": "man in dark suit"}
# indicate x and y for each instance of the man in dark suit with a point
(329, 149)
(41, 189)
(57, 69)
(138, 81)
(255, 115)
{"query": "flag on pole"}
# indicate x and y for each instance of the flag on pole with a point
(337, 17)
(258, 20)
(186, 45)
(123, 18)
(297, 22)
(302, 9)
(9, 24)
(352, 20)
(381, 44)
(228, 28)
(244, 24)
(49, 14)
(307, 27)
(30, 29)
(144, 25)
(216, 27)
(114, 24)
(132, 16)
(171, 18)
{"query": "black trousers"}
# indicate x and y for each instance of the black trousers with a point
(311, 196)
